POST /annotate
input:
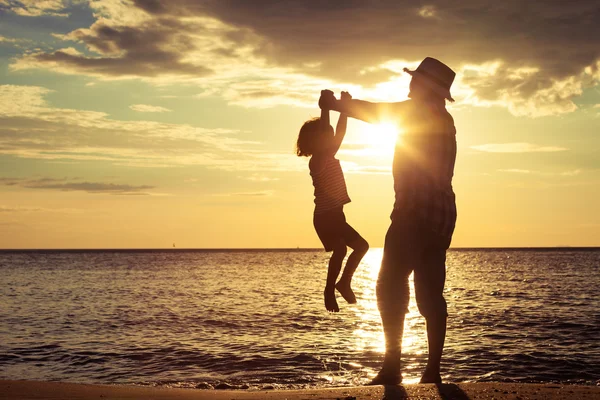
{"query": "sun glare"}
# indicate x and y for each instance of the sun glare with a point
(380, 138)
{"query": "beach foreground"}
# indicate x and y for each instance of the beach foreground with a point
(21, 390)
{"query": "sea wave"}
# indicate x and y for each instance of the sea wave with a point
(251, 319)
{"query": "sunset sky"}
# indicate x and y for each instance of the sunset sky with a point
(151, 122)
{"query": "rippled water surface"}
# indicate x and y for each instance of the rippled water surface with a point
(256, 318)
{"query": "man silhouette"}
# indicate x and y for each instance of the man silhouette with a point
(424, 213)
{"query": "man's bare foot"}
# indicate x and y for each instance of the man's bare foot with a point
(330, 302)
(431, 377)
(386, 378)
(346, 292)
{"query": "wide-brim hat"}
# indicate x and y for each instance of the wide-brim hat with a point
(436, 75)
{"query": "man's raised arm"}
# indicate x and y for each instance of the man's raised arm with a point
(364, 110)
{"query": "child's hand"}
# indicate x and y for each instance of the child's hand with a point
(327, 100)
(345, 96)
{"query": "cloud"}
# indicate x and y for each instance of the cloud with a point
(533, 61)
(8, 209)
(36, 8)
(30, 128)
(148, 108)
(20, 209)
(4, 39)
(553, 184)
(575, 172)
(517, 148)
(389, 30)
(523, 90)
(427, 11)
(372, 170)
(368, 151)
(258, 178)
(68, 186)
(351, 167)
(262, 193)
(516, 171)
(17, 43)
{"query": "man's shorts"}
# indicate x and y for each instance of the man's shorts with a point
(331, 226)
(412, 245)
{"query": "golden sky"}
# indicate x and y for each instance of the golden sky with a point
(146, 123)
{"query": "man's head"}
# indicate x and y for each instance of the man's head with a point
(431, 80)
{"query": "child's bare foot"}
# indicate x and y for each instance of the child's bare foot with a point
(346, 292)
(330, 302)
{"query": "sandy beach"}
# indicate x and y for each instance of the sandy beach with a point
(25, 390)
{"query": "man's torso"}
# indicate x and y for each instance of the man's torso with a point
(424, 166)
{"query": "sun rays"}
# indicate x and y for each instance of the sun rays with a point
(378, 140)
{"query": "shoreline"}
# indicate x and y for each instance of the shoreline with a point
(29, 390)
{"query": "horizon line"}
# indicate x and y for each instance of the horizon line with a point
(183, 249)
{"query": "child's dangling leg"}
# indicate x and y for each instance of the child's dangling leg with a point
(360, 248)
(335, 266)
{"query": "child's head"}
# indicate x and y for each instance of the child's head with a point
(313, 137)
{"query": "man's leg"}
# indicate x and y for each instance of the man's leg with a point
(436, 335)
(392, 301)
(430, 276)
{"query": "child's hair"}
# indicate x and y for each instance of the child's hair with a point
(308, 137)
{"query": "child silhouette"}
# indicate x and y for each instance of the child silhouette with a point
(318, 141)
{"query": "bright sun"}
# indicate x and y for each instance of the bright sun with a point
(380, 139)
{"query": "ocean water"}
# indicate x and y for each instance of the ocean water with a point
(255, 319)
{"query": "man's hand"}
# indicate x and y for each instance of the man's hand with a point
(345, 96)
(327, 100)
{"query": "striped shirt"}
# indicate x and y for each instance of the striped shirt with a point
(329, 183)
(424, 165)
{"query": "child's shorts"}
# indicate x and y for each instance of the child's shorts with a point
(331, 226)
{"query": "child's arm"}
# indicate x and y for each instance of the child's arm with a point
(316, 162)
(340, 128)
(325, 111)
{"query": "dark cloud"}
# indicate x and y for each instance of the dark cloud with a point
(345, 42)
(152, 50)
(561, 37)
(66, 185)
(152, 6)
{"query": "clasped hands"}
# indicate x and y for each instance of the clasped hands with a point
(327, 101)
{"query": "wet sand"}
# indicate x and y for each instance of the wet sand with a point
(21, 390)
